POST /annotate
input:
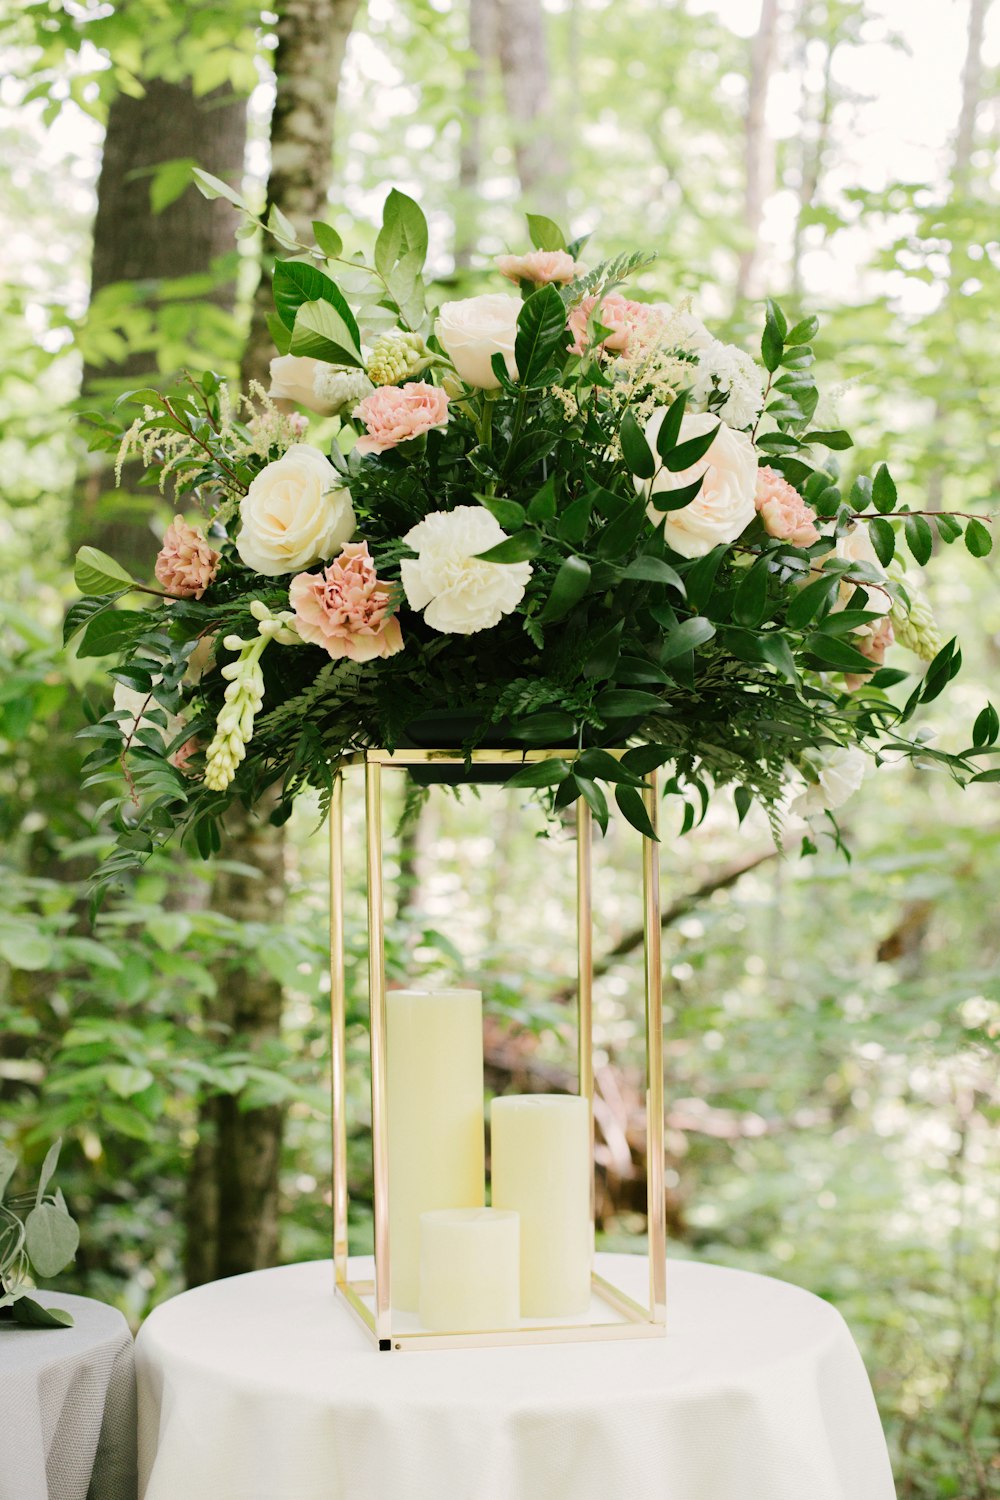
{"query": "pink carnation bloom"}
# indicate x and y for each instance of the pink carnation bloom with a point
(186, 564)
(396, 413)
(873, 641)
(345, 609)
(783, 511)
(631, 323)
(181, 757)
(540, 266)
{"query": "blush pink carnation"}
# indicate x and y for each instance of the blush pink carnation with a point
(394, 414)
(186, 564)
(345, 609)
(539, 266)
(631, 323)
(783, 511)
(873, 641)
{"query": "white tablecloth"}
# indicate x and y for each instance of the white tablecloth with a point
(67, 1406)
(264, 1387)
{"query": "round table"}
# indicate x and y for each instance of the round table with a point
(67, 1406)
(264, 1387)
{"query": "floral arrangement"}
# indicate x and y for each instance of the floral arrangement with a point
(556, 515)
(38, 1237)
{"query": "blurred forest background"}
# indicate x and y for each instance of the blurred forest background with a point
(832, 1028)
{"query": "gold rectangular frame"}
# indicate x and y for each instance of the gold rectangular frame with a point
(636, 1320)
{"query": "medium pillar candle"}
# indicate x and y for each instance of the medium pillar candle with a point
(542, 1170)
(434, 1087)
(469, 1270)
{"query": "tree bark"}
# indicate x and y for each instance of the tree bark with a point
(312, 41)
(133, 245)
(524, 70)
(232, 1203)
(814, 146)
(482, 46)
(972, 91)
(758, 149)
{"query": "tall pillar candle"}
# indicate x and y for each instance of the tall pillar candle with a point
(434, 1087)
(542, 1170)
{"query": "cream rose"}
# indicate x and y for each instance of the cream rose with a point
(472, 330)
(293, 382)
(724, 507)
(458, 592)
(295, 513)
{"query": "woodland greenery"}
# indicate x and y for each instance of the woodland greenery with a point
(832, 1025)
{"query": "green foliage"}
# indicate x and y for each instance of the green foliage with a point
(38, 1237)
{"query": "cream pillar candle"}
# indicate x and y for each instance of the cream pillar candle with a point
(434, 1088)
(469, 1269)
(542, 1170)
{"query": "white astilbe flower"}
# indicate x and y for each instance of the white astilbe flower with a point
(727, 370)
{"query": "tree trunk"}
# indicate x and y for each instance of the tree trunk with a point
(758, 148)
(482, 46)
(972, 89)
(312, 41)
(524, 69)
(814, 146)
(232, 1205)
(131, 244)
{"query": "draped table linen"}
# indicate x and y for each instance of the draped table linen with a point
(264, 1387)
(67, 1406)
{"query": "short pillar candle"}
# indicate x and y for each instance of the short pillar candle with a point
(434, 1087)
(542, 1170)
(469, 1270)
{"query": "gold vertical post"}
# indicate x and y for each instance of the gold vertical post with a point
(338, 1041)
(585, 969)
(376, 992)
(655, 1200)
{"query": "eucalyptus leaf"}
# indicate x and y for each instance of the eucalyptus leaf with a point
(8, 1166)
(51, 1238)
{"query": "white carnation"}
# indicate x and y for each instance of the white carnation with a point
(338, 387)
(458, 592)
(840, 775)
(729, 370)
(724, 507)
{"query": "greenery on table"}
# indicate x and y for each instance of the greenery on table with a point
(858, 1004)
(38, 1237)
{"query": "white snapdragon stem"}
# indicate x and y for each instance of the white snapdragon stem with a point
(245, 693)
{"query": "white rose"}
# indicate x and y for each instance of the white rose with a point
(856, 546)
(458, 592)
(724, 507)
(840, 774)
(293, 383)
(472, 330)
(294, 514)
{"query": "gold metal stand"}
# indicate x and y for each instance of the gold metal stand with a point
(622, 1317)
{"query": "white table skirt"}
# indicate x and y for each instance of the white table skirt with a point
(67, 1406)
(264, 1387)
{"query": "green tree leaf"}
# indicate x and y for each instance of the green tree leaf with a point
(542, 333)
(539, 773)
(978, 539)
(919, 538)
(634, 809)
(97, 573)
(687, 636)
(635, 450)
(327, 239)
(883, 490)
(320, 332)
(686, 454)
(571, 583)
(883, 537)
(519, 548)
(544, 233)
(670, 427)
(403, 236)
(31, 1314)
(654, 570)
